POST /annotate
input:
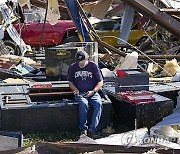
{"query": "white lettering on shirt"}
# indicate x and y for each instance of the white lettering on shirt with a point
(83, 74)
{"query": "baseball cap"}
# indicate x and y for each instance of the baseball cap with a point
(81, 55)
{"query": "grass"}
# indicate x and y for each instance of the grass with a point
(69, 136)
(50, 137)
(62, 136)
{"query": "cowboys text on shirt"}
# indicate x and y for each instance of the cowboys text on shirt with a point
(83, 74)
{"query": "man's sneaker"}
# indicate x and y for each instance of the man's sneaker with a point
(94, 134)
(84, 132)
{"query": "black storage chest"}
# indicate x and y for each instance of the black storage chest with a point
(135, 79)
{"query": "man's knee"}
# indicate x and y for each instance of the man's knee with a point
(98, 104)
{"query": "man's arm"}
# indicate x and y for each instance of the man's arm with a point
(73, 87)
(98, 86)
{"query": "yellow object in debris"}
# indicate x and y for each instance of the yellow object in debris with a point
(111, 36)
(170, 68)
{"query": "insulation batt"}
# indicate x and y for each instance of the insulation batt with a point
(170, 68)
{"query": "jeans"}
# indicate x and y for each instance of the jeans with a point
(84, 102)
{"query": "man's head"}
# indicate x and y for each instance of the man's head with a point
(81, 55)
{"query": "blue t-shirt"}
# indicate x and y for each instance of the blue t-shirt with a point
(86, 78)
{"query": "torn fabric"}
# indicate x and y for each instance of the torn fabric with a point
(25, 2)
(97, 9)
(126, 24)
(53, 14)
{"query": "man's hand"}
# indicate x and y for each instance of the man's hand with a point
(76, 92)
(89, 93)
